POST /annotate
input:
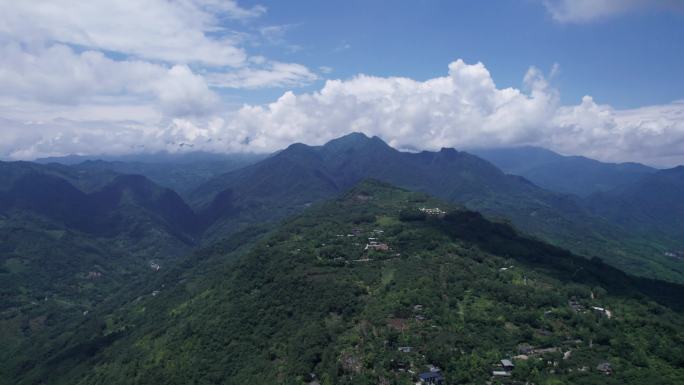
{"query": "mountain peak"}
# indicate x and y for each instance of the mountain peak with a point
(677, 171)
(448, 151)
(354, 136)
(297, 146)
(350, 140)
(298, 151)
(355, 140)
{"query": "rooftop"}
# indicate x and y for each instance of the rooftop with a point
(507, 363)
(431, 376)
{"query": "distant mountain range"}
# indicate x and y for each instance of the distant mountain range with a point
(654, 203)
(154, 158)
(309, 262)
(631, 195)
(303, 174)
(115, 206)
(628, 214)
(565, 174)
(180, 172)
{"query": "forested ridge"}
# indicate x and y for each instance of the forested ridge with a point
(369, 289)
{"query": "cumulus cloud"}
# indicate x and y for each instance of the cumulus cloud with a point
(58, 75)
(463, 109)
(653, 134)
(102, 76)
(91, 39)
(580, 11)
(404, 111)
(181, 31)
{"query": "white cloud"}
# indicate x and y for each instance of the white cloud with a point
(181, 31)
(275, 35)
(131, 34)
(181, 92)
(653, 134)
(100, 76)
(343, 46)
(93, 76)
(266, 74)
(28, 140)
(463, 109)
(580, 11)
(232, 8)
(58, 75)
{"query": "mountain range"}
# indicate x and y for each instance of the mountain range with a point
(652, 203)
(635, 226)
(71, 238)
(576, 175)
(314, 263)
(293, 178)
(179, 172)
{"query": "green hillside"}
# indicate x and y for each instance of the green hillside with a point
(294, 178)
(64, 250)
(319, 301)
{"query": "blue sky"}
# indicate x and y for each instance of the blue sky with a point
(600, 78)
(627, 60)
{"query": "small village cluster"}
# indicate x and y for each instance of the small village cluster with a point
(502, 371)
(373, 244)
(94, 275)
(675, 254)
(579, 308)
(432, 211)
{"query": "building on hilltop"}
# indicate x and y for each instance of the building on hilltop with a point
(377, 246)
(432, 211)
(605, 368)
(433, 377)
(507, 365)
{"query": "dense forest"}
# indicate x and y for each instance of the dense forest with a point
(377, 287)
